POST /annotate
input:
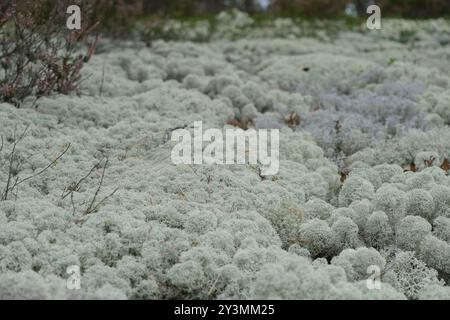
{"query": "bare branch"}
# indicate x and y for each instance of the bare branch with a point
(97, 206)
(89, 208)
(11, 161)
(168, 133)
(11, 186)
(92, 206)
(103, 80)
(76, 186)
(46, 168)
(72, 203)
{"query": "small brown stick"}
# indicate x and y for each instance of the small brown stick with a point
(103, 80)
(97, 206)
(10, 187)
(11, 161)
(1, 149)
(213, 287)
(92, 206)
(99, 186)
(74, 188)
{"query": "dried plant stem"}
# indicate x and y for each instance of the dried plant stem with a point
(11, 183)
(45, 169)
(76, 187)
(103, 80)
(93, 207)
(11, 161)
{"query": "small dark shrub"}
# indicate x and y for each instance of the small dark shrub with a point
(38, 54)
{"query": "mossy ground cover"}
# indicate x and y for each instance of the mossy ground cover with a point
(363, 179)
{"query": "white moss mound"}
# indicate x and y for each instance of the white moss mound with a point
(363, 180)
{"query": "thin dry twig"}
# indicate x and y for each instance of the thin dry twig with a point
(51, 164)
(11, 160)
(97, 206)
(12, 183)
(92, 206)
(88, 210)
(168, 133)
(103, 80)
(76, 186)
(213, 286)
(1, 149)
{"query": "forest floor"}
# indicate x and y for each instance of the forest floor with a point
(363, 180)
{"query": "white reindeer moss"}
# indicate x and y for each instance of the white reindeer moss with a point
(392, 202)
(411, 231)
(355, 188)
(435, 292)
(363, 177)
(420, 203)
(356, 261)
(378, 232)
(435, 253)
(413, 277)
(441, 228)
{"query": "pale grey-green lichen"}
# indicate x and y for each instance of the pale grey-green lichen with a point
(363, 179)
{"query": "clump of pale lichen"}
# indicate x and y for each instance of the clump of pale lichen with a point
(363, 179)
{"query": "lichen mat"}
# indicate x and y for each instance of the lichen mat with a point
(364, 150)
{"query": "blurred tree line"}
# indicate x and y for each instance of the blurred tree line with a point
(400, 8)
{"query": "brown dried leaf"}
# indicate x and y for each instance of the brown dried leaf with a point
(411, 167)
(344, 175)
(445, 165)
(241, 123)
(292, 120)
(429, 162)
